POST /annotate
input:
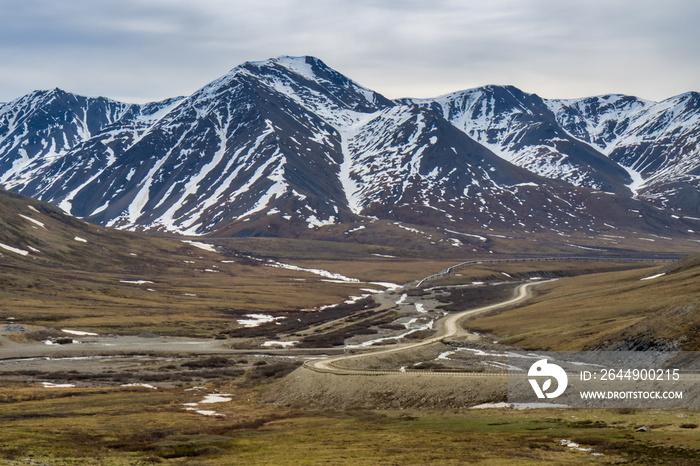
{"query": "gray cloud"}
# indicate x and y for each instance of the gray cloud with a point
(153, 49)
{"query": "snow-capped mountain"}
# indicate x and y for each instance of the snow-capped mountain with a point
(284, 145)
(38, 127)
(520, 128)
(40, 130)
(613, 143)
(658, 143)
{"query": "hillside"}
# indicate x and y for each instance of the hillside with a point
(651, 309)
(57, 271)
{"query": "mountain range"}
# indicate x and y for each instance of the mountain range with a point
(287, 146)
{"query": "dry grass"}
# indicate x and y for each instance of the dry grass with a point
(612, 310)
(185, 300)
(70, 283)
(508, 271)
(619, 243)
(183, 290)
(141, 426)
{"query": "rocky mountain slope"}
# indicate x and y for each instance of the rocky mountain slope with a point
(278, 147)
(657, 143)
(614, 143)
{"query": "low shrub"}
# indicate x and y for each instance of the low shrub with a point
(216, 361)
(271, 371)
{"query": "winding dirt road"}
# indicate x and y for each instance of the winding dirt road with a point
(448, 327)
(105, 346)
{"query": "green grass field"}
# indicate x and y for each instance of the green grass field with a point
(143, 426)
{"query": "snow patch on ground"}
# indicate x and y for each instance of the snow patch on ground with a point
(216, 398)
(322, 273)
(370, 290)
(479, 237)
(313, 222)
(576, 447)
(285, 344)
(35, 222)
(256, 320)
(57, 385)
(208, 399)
(200, 245)
(653, 276)
(446, 355)
(21, 252)
(354, 299)
(388, 285)
(637, 180)
(353, 230)
(79, 333)
(412, 230)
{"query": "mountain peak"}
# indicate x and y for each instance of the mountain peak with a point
(276, 147)
(302, 65)
(305, 66)
(280, 69)
(690, 99)
(300, 74)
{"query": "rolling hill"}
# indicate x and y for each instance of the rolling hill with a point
(57, 271)
(648, 309)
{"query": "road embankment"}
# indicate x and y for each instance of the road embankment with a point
(308, 388)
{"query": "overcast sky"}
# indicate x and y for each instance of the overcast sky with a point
(146, 50)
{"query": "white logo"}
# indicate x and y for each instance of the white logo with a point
(543, 369)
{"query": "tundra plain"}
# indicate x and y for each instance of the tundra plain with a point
(192, 352)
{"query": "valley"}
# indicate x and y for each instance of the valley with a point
(286, 299)
(285, 257)
(175, 399)
(203, 367)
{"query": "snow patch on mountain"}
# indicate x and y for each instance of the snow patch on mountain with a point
(278, 146)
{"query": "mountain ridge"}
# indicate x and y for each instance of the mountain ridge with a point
(289, 144)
